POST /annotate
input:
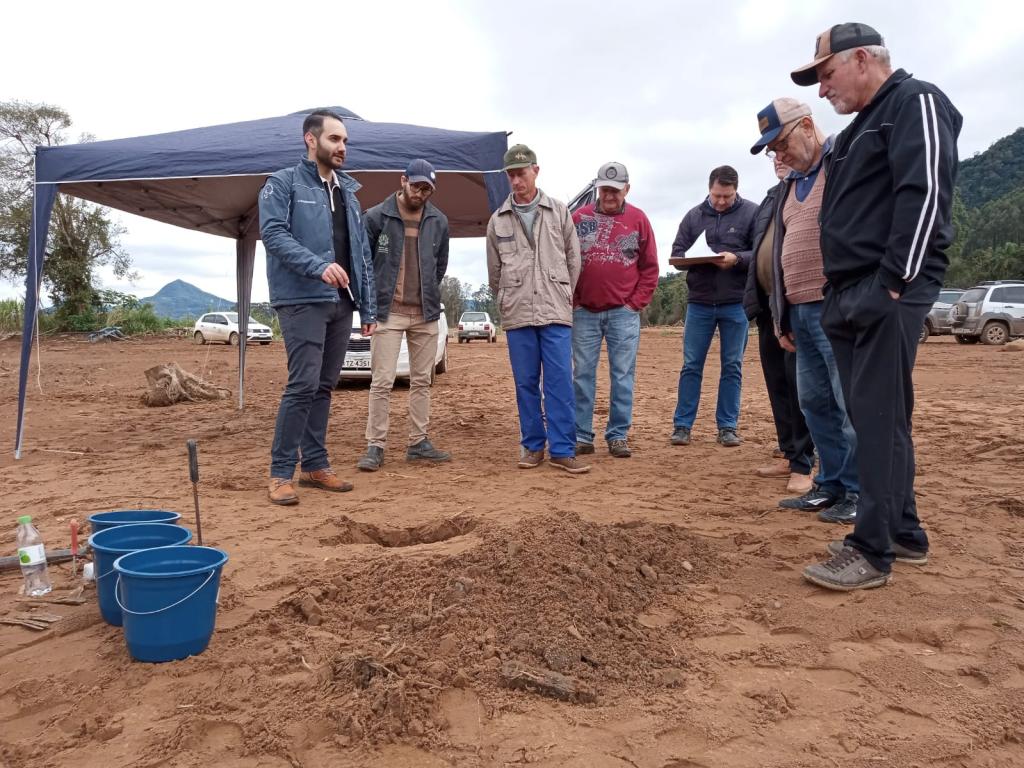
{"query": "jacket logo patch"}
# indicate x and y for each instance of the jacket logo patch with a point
(268, 190)
(383, 242)
(307, 202)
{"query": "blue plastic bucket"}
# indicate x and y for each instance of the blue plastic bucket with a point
(110, 544)
(103, 520)
(169, 600)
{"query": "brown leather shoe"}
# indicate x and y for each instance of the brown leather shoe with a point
(530, 459)
(570, 464)
(778, 468)
(324, 479)
(799, 484)
(281, 492)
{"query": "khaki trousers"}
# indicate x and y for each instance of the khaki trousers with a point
(385, 344)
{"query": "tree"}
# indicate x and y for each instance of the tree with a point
(484, 300)
(81, 237)
(453, 296)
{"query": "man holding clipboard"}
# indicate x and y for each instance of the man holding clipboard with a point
(715, 284)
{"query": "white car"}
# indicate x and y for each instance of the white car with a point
(223, 326)
(357, 358)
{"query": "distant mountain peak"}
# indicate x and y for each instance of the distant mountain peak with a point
(179, 300)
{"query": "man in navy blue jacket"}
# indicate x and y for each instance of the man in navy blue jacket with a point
(886, 221)
(319, 271)
(715, 300)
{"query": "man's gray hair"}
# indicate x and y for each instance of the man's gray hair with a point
(879, 52)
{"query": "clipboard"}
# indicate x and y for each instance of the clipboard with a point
(685, 262)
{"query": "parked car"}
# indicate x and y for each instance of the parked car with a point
(992, 313)
(937, 323)
(223, 326)
(358, 363)
(477, 325)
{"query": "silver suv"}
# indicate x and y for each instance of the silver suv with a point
(937, 322)
(992, 313)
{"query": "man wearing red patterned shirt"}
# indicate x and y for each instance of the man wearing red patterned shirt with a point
(618, 278)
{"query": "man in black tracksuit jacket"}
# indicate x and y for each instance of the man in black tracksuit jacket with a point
(886, 220)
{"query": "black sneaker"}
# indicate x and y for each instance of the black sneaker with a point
(424, 451)
(814, 500)
(372, 459)
(727, 436)
(681, 436)
(582, 449)
(844, 511)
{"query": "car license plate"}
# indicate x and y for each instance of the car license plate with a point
(359, 362)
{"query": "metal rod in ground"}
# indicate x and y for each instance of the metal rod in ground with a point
(193, 472)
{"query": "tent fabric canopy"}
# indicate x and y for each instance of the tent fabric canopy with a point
(208, 179)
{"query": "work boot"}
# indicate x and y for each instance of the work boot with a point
(847, 571)
(372, 460)
(425, 451)
(619, 449)
(799, 484)
(903, 554)
(727, 436)
(844, 511)
(282, 492)
(570, 464)
(815, 499)
(680, 436)
(530, 459)
(325, 479)
(584, 448)
(778, 468)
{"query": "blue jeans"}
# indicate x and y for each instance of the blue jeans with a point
(548, 349)
(701, 321)
(620, 328)
(316, 339)
(821, 401)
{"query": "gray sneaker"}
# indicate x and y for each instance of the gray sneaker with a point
(584, 448)
(903, 554)
(681, 436)
(619, 449)
(425, 451)
(847, 571)
(372, 459)
(727, 436)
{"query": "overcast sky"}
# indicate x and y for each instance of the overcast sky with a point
(670, 88)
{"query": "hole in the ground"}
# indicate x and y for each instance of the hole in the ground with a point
(352, 532)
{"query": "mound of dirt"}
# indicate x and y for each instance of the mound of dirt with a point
(397, 646)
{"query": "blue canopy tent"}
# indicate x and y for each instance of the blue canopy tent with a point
(208, 179)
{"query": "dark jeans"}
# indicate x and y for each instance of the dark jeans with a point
(874, 338)
(779, 368)
(316, 339)
(698, 330)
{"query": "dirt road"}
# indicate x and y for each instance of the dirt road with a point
(381, 627)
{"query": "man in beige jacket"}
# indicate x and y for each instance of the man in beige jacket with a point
(533, 262)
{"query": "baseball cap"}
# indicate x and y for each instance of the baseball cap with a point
(612, 175)
(772, 119)
(519, 156)
(421, 171)
(841, 37)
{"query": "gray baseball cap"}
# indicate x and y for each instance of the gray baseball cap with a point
(612, 175)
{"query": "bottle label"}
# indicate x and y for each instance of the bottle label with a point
(33, 555)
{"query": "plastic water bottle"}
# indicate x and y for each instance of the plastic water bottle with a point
(32, 556)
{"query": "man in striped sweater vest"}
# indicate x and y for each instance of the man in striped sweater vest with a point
(788, 133)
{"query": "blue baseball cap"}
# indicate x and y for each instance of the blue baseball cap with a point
(773, 118)
(421, 171)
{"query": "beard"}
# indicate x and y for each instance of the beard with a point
(328, 158)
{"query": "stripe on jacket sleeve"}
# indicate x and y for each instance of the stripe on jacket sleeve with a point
(929, 208)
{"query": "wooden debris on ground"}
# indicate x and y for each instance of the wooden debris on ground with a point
(545, 682)
(170, 384)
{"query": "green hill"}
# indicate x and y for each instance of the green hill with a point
(179, 300)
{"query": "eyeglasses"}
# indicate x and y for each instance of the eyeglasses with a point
(783, 145)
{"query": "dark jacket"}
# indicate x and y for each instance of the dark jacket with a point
(731, 231)
(386, 234)
(887, 207)
(755, 300)
(298, 234)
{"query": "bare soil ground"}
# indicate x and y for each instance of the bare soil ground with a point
(383, 627)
